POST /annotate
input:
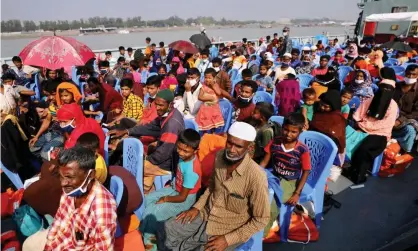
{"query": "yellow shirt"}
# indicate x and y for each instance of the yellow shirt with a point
(101, 169)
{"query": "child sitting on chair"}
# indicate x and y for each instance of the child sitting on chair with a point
(170, 201)
(209, 116)
(291, 165)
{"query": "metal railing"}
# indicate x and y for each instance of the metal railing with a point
(300, 40)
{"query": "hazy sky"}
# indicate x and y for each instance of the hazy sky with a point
(160, 9)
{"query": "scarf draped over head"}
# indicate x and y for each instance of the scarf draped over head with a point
(15, 122)
(83, 125)
(180, 68)
(352, 51)
(70, 88)
(387, 73)
(382, 99)
(376, 57)
(331, 123)
(327, 77)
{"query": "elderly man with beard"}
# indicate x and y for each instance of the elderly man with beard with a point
(233, 208)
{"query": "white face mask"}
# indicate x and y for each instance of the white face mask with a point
(284, 33)
(410, 81)
(359, 81)
(192, 82)
(216, 68)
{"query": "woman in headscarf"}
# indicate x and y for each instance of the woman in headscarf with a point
(376, 63)
(329, 81)
(306, 66)
(351, 52)
(376, 116)
(156, 62)
(67, 93)
(74, 124)
(329, 120)
(177, 66)
(361, 85)
(358, 65)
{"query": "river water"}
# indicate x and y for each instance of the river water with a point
(12, 47)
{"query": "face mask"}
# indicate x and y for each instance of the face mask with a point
(68, 128)
(192, 82)
(205, 61)
(359, 81)
(284, 33)
(157, 63)
(410, 81)
(81, 189)
(285, 64)
(306, 62)
(244, 100)
(103, 71)
(216, 68)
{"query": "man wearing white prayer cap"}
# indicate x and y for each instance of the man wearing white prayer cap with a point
(233, 208)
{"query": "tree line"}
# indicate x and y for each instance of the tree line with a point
(16, 25)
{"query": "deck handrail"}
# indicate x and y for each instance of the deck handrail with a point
(301, 40)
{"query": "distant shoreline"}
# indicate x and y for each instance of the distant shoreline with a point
(11, 36)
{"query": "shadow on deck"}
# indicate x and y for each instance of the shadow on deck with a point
(382, 216)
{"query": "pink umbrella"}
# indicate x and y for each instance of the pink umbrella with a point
(55, 52)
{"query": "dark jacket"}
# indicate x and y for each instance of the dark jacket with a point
(407, 102)
(166, 129)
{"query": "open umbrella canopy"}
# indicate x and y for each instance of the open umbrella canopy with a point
(200, 40)
(397, 46)
(55, 52)
(184, 46)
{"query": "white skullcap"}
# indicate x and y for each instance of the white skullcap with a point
(242, 131)
(306, 48)
(271, 59)
(202, 29)
(287, 54)
(314, 48)
(268, 55)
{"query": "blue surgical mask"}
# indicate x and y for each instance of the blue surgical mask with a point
(68, 128)
(285, 64)
(103, 71)
(79, 191)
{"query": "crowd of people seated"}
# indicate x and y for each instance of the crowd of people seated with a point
(67, 143)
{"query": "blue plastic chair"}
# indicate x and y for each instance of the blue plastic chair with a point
(233, 74)
(133, 161)
(146, 99)
(399, 70)
(226, 109)
(376, 165)
(392, 61)
(116, 188)
(191, 124)
(343, 72)
(161, 181)
(405, 65)
(355, 101)
(255, 243)
(144, 76)
(323, 151)
(304, 81)
(117, 86)
(214, 52)
(13, 177)
(262, 96)
(278, 119)
(106, 146)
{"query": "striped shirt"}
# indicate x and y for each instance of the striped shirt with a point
(288, 163)
(133, 107)
(92, 226)
(237, 207)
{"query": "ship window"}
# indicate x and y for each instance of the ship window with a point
(399, 9)
(394, 27)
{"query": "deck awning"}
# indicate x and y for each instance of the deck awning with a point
(391, 17)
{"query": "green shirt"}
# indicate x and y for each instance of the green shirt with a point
(309, 111)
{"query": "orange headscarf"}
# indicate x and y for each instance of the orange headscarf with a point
(69, 87)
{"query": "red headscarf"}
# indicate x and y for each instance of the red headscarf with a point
(82, 125)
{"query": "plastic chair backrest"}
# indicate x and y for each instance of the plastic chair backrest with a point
(117, 85)
(304, 81)
(106, 147)
(405, 65)
(392, 61)
(226, 109)
(13, 177)
(74, 74)
(146, 97)
(354, 102)
(262, 96)
(191, 124)
(278, 119)
(116, 188)
(133, 157)
(343, 71)
(399, 70)
(214, 52)
(144, 76)
(322, 151)
(233, 74)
